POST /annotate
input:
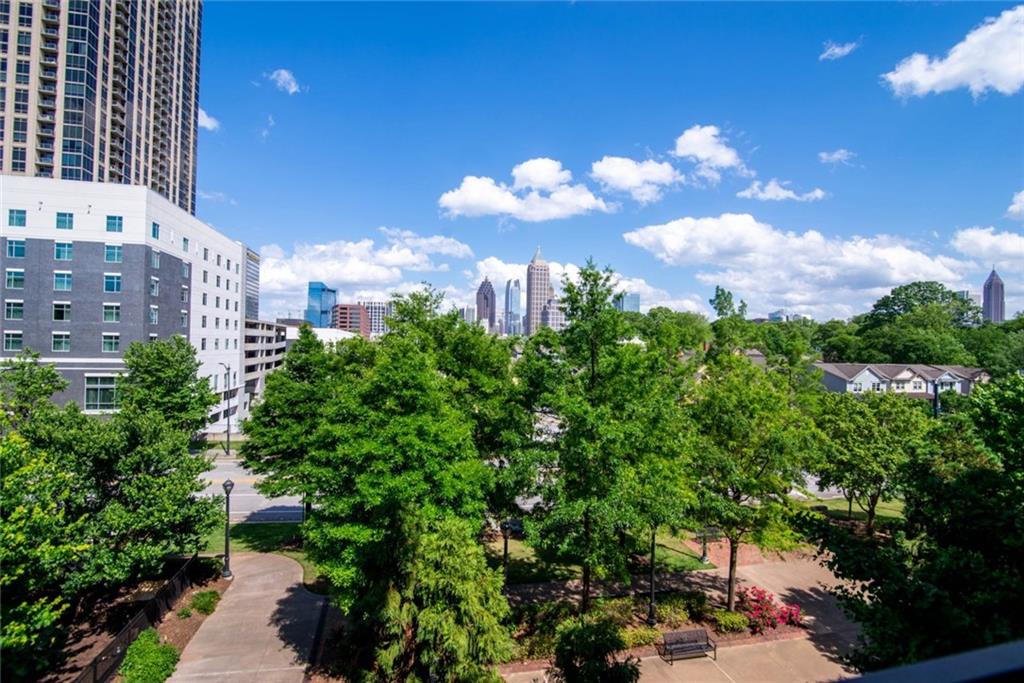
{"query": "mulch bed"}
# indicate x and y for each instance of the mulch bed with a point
(177, 630)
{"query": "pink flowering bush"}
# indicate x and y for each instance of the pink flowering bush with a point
(763, 612)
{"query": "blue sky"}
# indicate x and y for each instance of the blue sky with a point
(374, 146)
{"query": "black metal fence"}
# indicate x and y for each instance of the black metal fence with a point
(105, 664)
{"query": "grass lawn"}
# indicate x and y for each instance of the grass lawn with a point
(887, 511)
(527, 565)
(272, 537)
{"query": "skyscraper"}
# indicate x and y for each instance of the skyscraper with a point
(538, 292)
(319, 302)
(252, 285)
(486, 303)
(513, 308)
(993, 299)
(627, 302)
(105, 90)
(351, 318)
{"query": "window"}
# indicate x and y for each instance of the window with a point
(62, 251)
(115, 224)
(16, 218)
(204, 298)
(111, 313)
(112, 282)
(901, 386)
(184, 295)
(154, 231)
(62, 310)
(62, 281)
(218, 280)
(60, 342)
(229, 265)
(15, 278)
(111, 342)
(113, 253)
(216, 302)
(13, 341)
(206, 254)
(218, 259)
(876, 386)
(202, 344)
(65, 221)
(205, 276)
(184, 244)
(15, 248)
(857, 387)
(918, 385)
(154, 259)
(183, 319)
(216, 323)
(204, 322)
(154, 315)
(154, 286)
(216, 345)
(100, 393)
(14, 310)
(186, 270)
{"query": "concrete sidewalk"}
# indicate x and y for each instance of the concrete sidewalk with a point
(263, 630)
(782, 661)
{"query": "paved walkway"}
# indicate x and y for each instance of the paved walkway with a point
(813, 658)
(263, 629)
(783, 661)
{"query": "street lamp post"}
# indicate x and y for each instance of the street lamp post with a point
(228, 485)
(505, 531)
(704, 535)
(652, 618)
(227, 383)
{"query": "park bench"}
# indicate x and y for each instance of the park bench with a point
(686, 644)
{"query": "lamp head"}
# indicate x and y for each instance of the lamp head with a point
(228, 485)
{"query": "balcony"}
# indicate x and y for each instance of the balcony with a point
(48, 87)
(47, 117)
(50, 45)
(48, 102)
(48, 74)
(45, 160)
(52, 4)
(45, 145)
(51, 32)
(46, 131)
(48, 59)
(51, 17)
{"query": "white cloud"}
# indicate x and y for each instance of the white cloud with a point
(990, 57)
(284, 80)
(542, 191)
(1016, 208)
(265, 130)
(215, 196)
(643, 180)
(707, 147)
(206, 121)
(839, 156)
(361, 268)
(807, 273)
(988, 246)
(835, 51)
(775, 191)
(540, 174)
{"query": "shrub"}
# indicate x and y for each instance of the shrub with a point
(696, 604)
(537, 623)
(672, 611)
(638, 636)
(205, 602)
(760, 608)
(147, 660)
(619, 610)
(585, 651)
(791, 615)
(729, 622)
(184, 613)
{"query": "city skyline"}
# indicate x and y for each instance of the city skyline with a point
(649, 157)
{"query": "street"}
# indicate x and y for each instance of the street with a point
(248, 505)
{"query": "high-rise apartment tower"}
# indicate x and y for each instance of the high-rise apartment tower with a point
(993, 305)
(102, 90)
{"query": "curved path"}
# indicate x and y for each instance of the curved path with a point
(263, 630)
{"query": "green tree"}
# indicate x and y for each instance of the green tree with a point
(924, 335)
(163, 376)
(586, 651)
(26, 386)
(997, 348)
(755, 443)
(948, 578)
(672, 332)
(869, 440)
(445, 623)
(910, 297)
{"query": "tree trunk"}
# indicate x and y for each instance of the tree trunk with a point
(849, 507)
(734, 548)
(872, 505)
(585, 601)
(504, 556)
